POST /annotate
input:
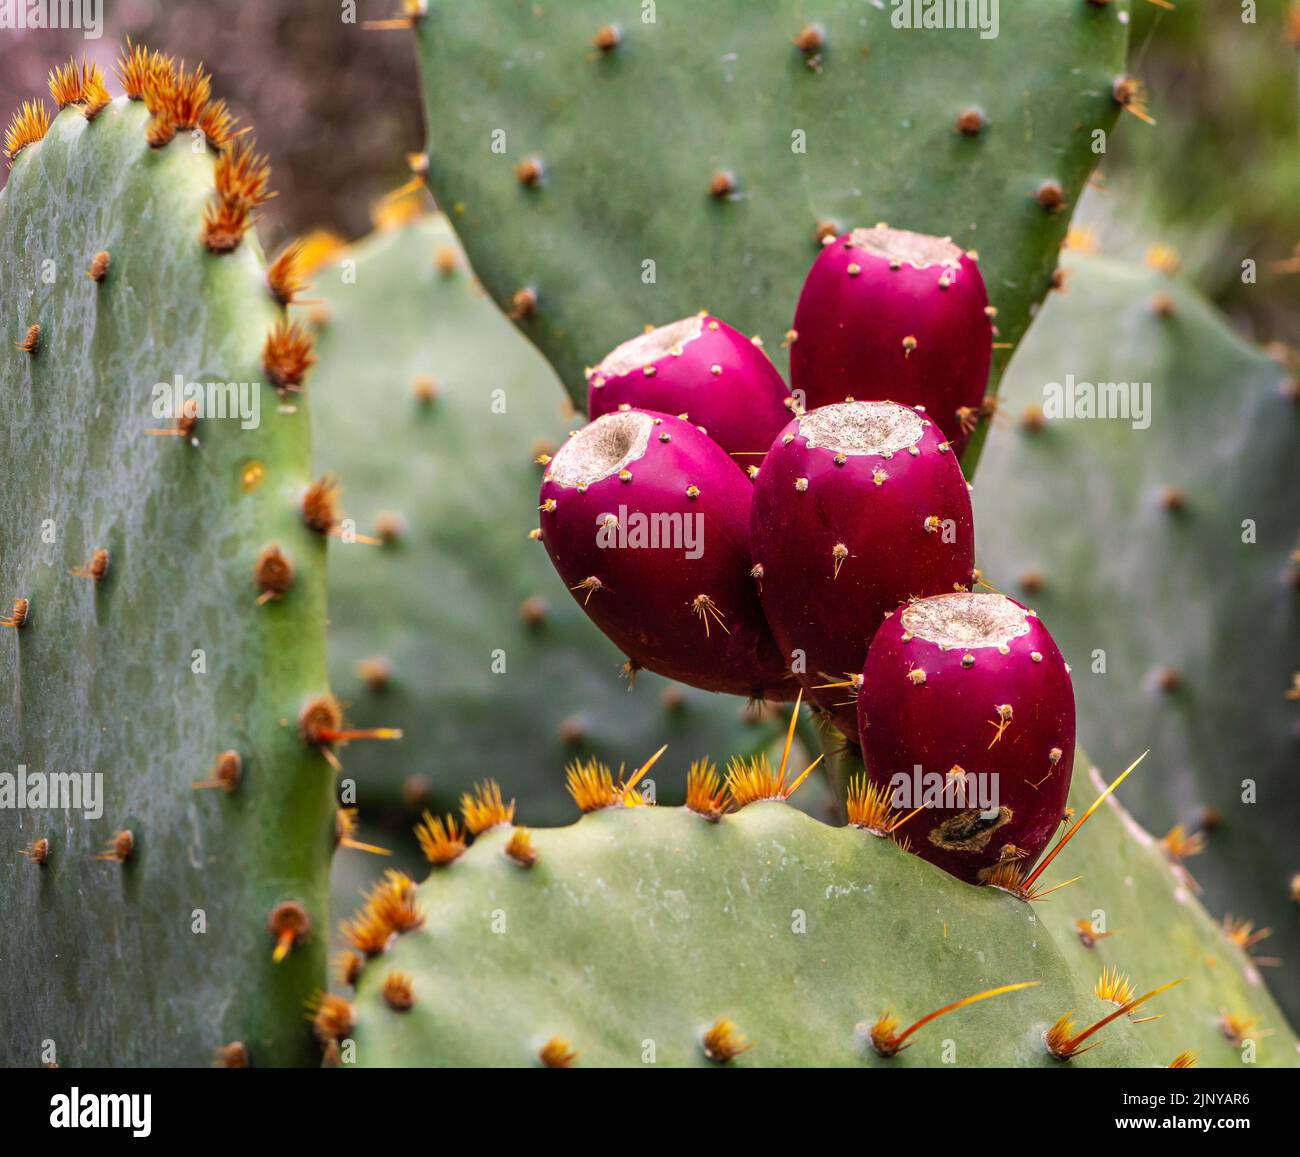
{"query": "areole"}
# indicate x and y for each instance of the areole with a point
(966, 619)
(647, 348)
(919, 250)
(862, 428)
(602, 449)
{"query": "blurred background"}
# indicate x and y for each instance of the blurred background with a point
(1216, 178)
(334, 105)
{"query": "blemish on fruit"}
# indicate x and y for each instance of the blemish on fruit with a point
(969, 831)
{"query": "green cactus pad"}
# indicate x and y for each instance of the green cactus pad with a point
(1158, 929)
(1132, 543)
(477, 687)
(646, 925)
(630, 140)
(164, 957)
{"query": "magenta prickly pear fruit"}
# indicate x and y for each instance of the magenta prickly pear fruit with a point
(702, 370)
(885, 313)
(647, 521)
(971, 690)
(859, 506)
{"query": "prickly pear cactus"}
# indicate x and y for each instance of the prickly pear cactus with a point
(1135, 912)
(167, 596)
(631, 163)
(678, 937)
(1170, 584)
(432, 410)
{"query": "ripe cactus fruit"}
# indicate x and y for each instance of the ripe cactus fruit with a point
(473, 625)
(1224, 522)
(886, 313)
(142, 672)
(608, 946)
(647, 522)
(719, 80)
(859, 506)
(702, 370)
(967, 703)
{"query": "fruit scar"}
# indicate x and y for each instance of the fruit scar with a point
(858, 507)
(704, 371)
(625, 504)
(970, 686)
(885, 313)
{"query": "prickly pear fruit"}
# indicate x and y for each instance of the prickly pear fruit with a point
(886, 313)
(647, 521)
(700, 369)
(859, 507)
(970, 689)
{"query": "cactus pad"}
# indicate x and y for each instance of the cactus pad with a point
(682, 162)
(652, 935)
(137, 931)
(1174, 568)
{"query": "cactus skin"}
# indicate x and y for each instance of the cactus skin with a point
(694, 619)
(1159, 518)
(1155, 927)
(940, 704)
(463, 580)
(688, 96)
(889, 314)
(855, 542)
(103, 957)
(628, 928)
(712, 375)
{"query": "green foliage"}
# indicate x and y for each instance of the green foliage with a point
(1215, 176)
